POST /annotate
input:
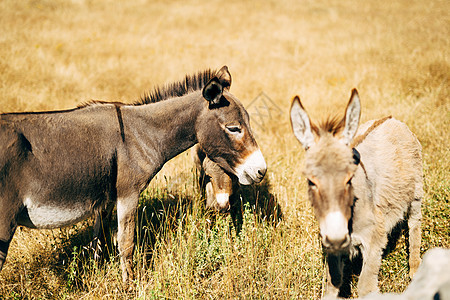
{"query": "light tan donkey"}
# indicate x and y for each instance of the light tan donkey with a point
(362, 183)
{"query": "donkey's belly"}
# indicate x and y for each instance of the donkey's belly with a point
(44, 216)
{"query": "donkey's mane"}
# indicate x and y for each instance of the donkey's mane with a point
(332, 124)
(177, 89)
(189, 84)
(358, 139)
(335, 124)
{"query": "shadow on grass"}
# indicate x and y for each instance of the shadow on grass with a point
(162, 211)
(262, 202)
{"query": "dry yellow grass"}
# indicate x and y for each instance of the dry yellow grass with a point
(57, 54)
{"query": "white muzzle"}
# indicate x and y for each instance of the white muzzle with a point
(334, 231)
(252, 169)
(223, 200)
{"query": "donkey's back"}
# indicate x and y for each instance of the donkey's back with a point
(391, 170)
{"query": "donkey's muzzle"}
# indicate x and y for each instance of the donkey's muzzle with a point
(334, 232)
(223, 202)
(253, 169)
(336, 244)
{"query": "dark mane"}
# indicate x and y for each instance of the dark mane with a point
(177, 89)
(332, 124)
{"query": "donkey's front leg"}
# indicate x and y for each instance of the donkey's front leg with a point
(126, 217)
(368, 279)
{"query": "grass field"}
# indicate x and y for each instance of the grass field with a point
(58, 54)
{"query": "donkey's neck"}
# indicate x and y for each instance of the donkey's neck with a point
(162, 130)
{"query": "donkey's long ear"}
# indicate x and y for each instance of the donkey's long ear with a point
(224, 77)
(352, 115)
(300, 124)
(212, 91)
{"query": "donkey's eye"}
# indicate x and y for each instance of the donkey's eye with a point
(356, 156)
(311, 184)
(233, 128)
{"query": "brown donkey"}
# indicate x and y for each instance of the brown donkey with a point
(219, 187)
(60, 167)
(362, 183)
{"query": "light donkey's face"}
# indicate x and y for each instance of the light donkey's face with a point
(224, 133)
(329, 167)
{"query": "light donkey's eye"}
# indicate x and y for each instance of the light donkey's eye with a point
(233, 129)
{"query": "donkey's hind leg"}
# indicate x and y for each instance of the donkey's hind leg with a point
(101, 231)
(4, 246)
(415, 235)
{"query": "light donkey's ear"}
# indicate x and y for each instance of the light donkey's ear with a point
(352, 115)
(212, 91)
(301, 124)
(224, 77)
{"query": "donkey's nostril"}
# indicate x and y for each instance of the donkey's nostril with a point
(337, 243)
(262, 172)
